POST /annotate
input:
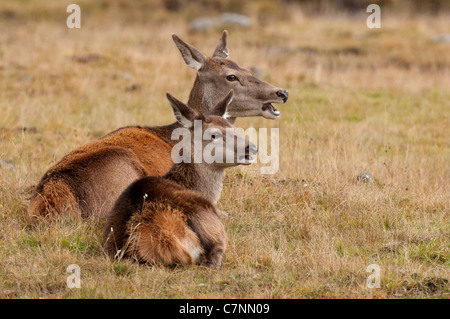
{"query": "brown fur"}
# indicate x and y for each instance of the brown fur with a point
(161, 231)
(172, 219)
(166, 226)
(105, 168)
(108, 165)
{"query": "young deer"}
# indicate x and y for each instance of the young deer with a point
(172, 219)
(89, 179)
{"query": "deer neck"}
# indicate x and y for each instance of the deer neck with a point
(201, 177)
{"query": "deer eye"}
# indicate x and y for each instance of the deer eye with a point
(231, 77)
(216, 135)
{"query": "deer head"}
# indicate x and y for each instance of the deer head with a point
(213, 140)
(217, 75)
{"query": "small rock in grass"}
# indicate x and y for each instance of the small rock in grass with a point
(227, 19)
(365, 177)
(442, 38)
(86, 58)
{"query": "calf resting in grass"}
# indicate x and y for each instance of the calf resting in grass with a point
(172, 219)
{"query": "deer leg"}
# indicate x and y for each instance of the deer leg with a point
(222, 214)
(214, 258)
(211, 233)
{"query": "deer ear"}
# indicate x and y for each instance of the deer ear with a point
(221, 108)
(183, 113)
(193, 57)
(221, 50)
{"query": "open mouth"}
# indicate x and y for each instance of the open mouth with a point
(269, 111)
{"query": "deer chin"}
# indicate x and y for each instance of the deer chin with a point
(247, 159)
(269, 111)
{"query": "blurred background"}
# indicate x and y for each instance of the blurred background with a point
(116, 68)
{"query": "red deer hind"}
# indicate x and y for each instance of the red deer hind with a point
(88, 180)
(172, 219)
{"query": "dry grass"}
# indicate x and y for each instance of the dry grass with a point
(360, 100)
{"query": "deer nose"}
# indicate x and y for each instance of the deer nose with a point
(283, 94)
(251, 148)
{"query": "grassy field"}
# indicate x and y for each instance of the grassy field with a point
(361, 100)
